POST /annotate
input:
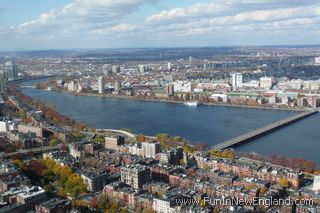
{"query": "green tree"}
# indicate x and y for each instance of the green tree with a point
(99, 139)
(54, 142)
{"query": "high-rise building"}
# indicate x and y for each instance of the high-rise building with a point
(169, 66)
(11, 70)
(170, 90)
(317, 60)
(114, 142)
(116, 69)
(117, 87)
(236, 80)
(190, 59)
(150, 149)
(142, 68)
(100, 85)
(94, 180)
(3, 83)
(135, 176)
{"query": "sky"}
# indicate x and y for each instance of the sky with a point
(83, 24)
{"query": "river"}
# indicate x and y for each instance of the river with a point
(205, 124)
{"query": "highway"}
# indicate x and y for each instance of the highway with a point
(261, 131)
(33, 150)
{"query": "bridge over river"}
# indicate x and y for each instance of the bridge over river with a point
(263, 130)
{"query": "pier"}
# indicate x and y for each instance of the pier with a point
(263, 130)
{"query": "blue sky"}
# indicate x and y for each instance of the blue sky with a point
(77, 24)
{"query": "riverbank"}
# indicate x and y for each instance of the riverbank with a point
(179, 102)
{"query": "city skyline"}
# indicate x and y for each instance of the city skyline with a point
(79, 24)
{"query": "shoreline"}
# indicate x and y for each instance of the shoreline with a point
(178, 102)
(181, 102)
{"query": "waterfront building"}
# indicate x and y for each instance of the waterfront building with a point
(117, 87)
(136, 149)
(135, 175)
(150, 149)
(170, 90)
(266, 82)
(236, 80)
(71, 86)
(114, 142)
(182, 86)
(100, 85)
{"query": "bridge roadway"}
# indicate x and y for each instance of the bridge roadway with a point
(261, 131)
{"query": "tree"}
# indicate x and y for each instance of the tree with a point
(141, 138)
(187, 148)
(99, 139)
(163, 137)
(54, 142)
(213, 152)
(94, 203)
(177, 139)
(283, 182)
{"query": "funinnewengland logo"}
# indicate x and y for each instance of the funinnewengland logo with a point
(235, 201)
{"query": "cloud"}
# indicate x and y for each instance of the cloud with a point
(206, 21)
(121, 29)
(236, 16)
(81, 14)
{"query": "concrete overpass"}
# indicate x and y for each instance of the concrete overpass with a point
(263, 130)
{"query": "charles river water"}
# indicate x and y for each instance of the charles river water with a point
(203, 124)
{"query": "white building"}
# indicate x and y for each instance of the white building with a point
(11, 70)
(100, 85)
(142, 68)
(135, 149)
(266, 82)
(116, 69)
(163, 206)
(312, 85)
(182, 86)
(4, 126)
(296, 84)
(317, 60)
(71, 86)
(150, 149)
(236, 80)
(316, 183)
(169, 66)
(251, 84)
